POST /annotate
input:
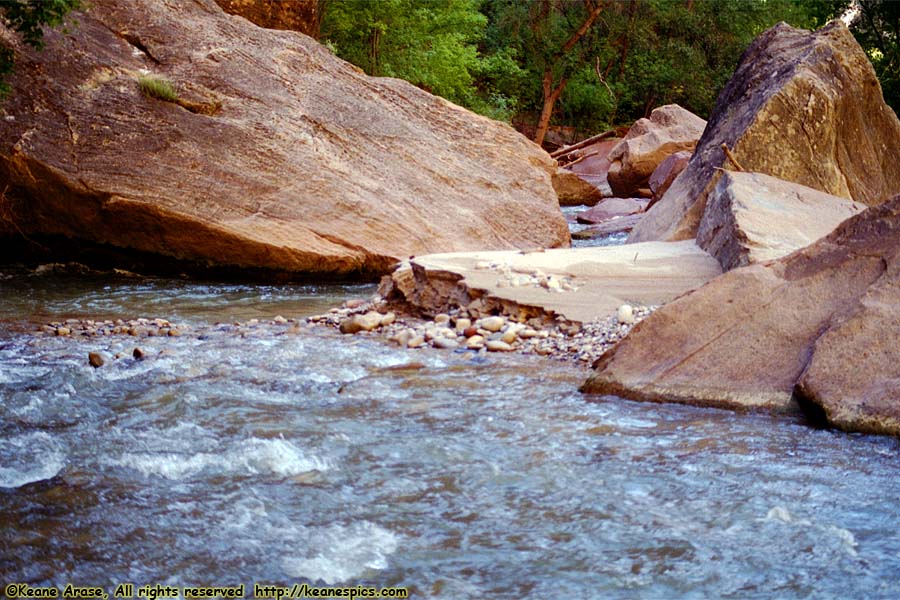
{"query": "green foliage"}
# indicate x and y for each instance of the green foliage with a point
(493, 56)
(430, 43)
(27, 17)
(158, 87)
(876, 26)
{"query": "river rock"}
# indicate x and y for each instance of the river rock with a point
(498, 346)
(357, 323)
(96, 360)
(612, 208)
(751, 217)
(475, 342)
(648, 143)
(820, 325)
(663, 176)
(625, 314)
(805, 107)
(281, 157)
(298, 15)
(493, 324)
(445, 343)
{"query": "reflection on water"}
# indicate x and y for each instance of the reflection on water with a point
(282, 456)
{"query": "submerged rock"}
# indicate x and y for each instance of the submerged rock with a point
(278, 155)
(819, 325)
(802, 106)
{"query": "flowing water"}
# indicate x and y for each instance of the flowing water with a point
(268, 454)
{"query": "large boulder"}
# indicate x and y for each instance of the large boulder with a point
(802, 106)
(298, 15)
(751, 217)
(819, 326)
(669, 129)
(277, 155)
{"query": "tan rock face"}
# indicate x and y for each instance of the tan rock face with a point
(297, 15)
(573, 190)
(802, 106)
(820, 324)
(649, 142)
(752, 217)
(307, 167)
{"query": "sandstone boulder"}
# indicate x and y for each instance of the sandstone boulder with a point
(573, 190)
(281, 157)
(802, 106)
(663, 176)
(669, 129)
(589, 165)
(751, 217)
(819, 326)
(298, 15)
(612, 208)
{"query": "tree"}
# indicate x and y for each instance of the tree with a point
(27, 18)
(430, 43)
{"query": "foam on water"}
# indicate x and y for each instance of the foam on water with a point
(253, 456)
(344, 552)
(28, 458)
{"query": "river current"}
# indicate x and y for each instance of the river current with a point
(277, 455)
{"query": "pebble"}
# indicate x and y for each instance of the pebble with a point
(138, 354)
(388, 319)
(445, 343)
(476, 342)
(416, 342)
(625, 314)
(470, 331)
(498, 346)
(509, 336)
(441, 319)
(279, 320)
(463, 324)
(493, 324)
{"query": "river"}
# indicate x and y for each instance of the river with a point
(269, 454)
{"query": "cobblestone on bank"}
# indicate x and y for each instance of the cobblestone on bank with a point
(457, 330)
(460, 330)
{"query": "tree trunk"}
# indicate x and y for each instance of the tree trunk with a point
(551, 95)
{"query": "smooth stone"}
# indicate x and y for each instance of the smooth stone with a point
(279, 320)
(416, 342)
(445, 343)
(493, 324)
(470, 331)
(95, 359)
(625, 314)
(441, 319)
(388, 319)
(476, 342)
(138, 354)
(463, 324)
(498, 346)
(509, 336)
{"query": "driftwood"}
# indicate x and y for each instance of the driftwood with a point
(582, 144)
(730, 156)
(581, 158)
